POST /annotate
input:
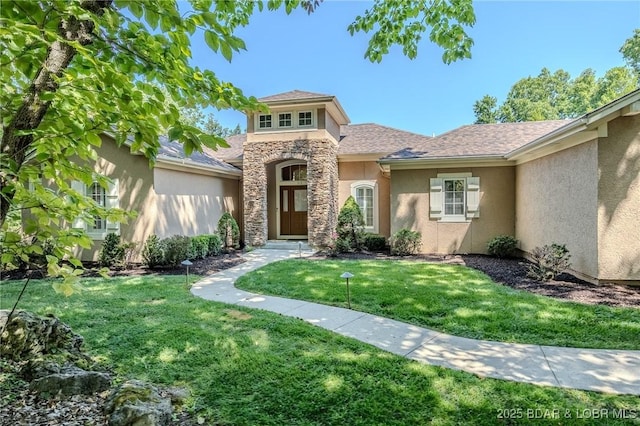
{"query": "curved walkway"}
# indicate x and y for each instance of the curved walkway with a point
(612, 371)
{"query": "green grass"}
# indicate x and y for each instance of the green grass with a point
(450, 298)
(251, 367)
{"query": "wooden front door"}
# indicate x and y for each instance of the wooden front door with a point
(293, 210)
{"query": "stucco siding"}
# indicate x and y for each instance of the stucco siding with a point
(619, 200)
(556, 200)
(352, 172)
(135, 192)
(410, 209)
(191, 204)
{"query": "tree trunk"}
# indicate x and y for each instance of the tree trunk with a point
(32, 110)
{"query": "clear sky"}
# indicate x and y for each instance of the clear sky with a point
(513, 40)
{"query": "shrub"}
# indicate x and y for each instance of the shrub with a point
(374, 242)
(350, 227)
(176, 249)
(229, 231)
(214, 244)
(549, 261)
(153, 252)
(405, 242)
(502, 246)
(112, 252)
(198, 247)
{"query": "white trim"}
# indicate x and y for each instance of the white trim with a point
(258, 122)
(373, 185)
(291, 115)
(295, 126)
(305, 126)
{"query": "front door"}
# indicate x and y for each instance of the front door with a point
(293, 210)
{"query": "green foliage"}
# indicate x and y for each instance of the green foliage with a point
(153, 252)
(485, 110)
(631, 52)
(214, 244)
(405, 242)
(350, 228)
(374, 242)
(402, 23)
(198, 247)
(549, 261)
(502, 246)
(229, 231)
(112, 252)
(176, 249)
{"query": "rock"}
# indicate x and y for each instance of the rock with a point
(136, 403)
(71, 380)
(28, 335)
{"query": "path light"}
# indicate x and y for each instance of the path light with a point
(187, 263)
(347, 275)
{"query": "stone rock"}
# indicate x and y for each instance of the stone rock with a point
(28, 336)
(136, 403)
(71, 380)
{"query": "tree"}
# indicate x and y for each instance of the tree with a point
(73, 70)
(486, 110)
(631, 52)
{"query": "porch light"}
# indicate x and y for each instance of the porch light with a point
(187, 263)
(346, 276)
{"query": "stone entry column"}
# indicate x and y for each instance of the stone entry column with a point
(322, 186)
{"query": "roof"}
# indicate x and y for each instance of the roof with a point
(480, 140)
(170, 150)
(233, 151)
(370, 138)
(294, 95)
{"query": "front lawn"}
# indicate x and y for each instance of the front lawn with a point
(250, 367)
(450, 298)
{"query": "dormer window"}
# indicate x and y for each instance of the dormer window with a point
(304, 119)
(284, 119)
(264, 121)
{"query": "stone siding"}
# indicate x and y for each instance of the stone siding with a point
(322, 186)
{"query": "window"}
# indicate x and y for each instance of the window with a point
(296, 172)
(366, 195)
(98, 227)
(284, 119)
(264, 121)
(454, 197)
(304, 119)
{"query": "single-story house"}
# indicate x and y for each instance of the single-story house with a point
(573, 182)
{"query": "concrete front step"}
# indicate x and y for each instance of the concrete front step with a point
(286, 245)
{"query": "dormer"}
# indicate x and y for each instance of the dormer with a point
(297, 115)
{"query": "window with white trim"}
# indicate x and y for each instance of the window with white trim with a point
(305, 119)
(98, 227)
(284, 119)
(366, 196)
(454, 197)
(264, 121)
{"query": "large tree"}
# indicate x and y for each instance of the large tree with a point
(556, 95)
(75, 69)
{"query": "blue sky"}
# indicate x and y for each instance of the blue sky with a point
(513, 39)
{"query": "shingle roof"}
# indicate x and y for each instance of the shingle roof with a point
(174, 150)
(478, 140)
(293, 95)
(233, 151)
(370, 138)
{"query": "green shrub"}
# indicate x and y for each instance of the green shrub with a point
(350, 227)
(198, 247)
(405, 242)
(176, 249)
(374, 242)
(229, 231)
(112, 252)
(502, 246)
(549, 261)
(153, 252)
(214, 244)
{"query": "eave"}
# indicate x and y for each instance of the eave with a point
(496, 160)
(186, 165)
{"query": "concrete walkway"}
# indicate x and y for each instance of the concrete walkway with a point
(612, 371)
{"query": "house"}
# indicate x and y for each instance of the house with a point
(571, 182)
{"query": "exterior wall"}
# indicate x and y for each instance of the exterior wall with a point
(556, 198)
(135, 189)
(619, 200)
(352, 172)
(322, 186)
(410, 209)
(331, 126)
(191, 204)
